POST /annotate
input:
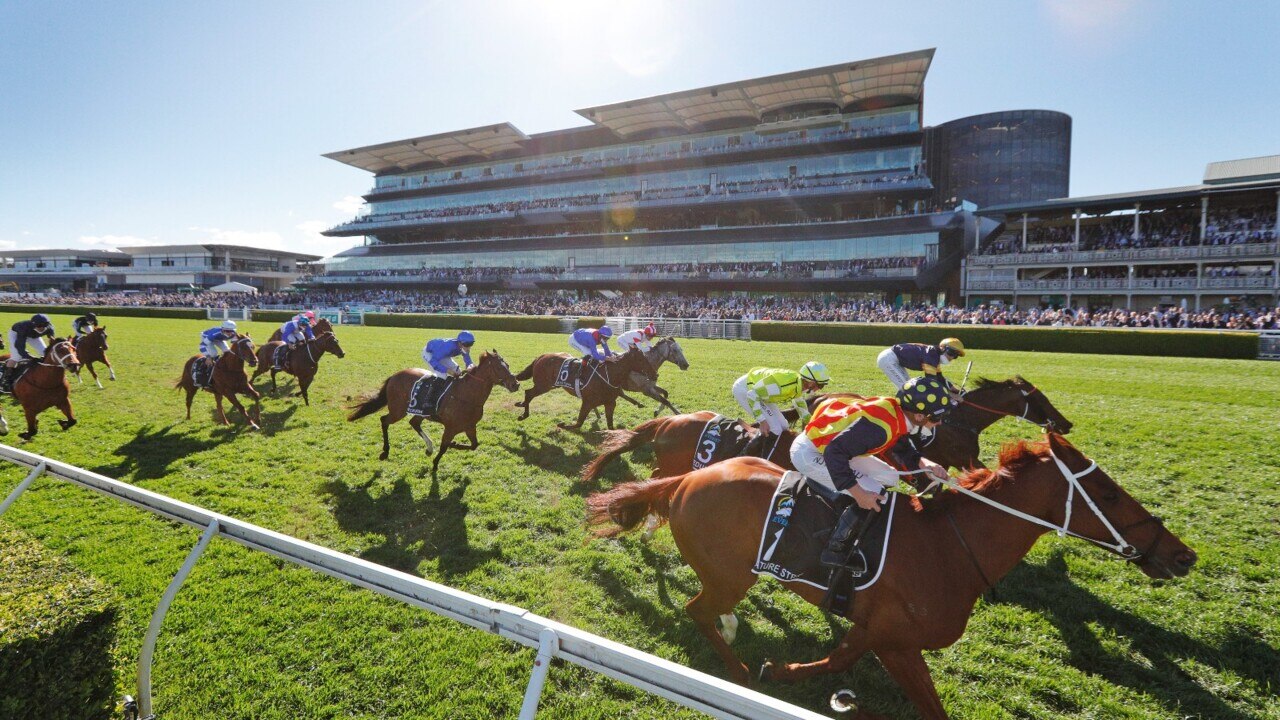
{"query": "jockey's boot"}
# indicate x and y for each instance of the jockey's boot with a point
(755, 447)
(844, 540)
(5, 372)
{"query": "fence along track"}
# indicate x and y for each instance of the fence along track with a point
(690, 688)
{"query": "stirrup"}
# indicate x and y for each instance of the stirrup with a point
(851, 560)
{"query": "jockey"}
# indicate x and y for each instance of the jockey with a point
(24, 336)
(637, 338)
(213, 342)
(439, 354)
(84, 325)
(762, 390)
(589, 342)
(297, 330)
(894, 362)
(839, 446)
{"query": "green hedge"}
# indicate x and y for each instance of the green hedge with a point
(507, 323)
(57, 629)
(106, 313)
(590, 322)
(1103, 341)
(273, 315)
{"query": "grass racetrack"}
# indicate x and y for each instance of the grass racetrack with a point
(1071, 633)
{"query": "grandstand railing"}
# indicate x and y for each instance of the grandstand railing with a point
(677, 683)
(1189, 252)
(685, 327)
(239, 313)
(1261, 282)
(1269, 345)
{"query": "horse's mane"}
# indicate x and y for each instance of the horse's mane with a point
(1015, 456)
(1017, 382)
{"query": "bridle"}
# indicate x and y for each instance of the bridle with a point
(58, 361)
(1048, 423)
(1120, 546)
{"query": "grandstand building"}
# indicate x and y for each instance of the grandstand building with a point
(1208, 245)
(817, 180)
(155, 267)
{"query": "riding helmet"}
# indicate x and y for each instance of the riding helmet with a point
(815, 372)
(605, 331)
(925, 395)
(40, 320)
(466, 338)
(304, 321)
(228, 324)
(952, 346)
(91, 318)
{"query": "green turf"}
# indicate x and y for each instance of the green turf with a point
(1070, 633)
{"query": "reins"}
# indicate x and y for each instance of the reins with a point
(1026, 409)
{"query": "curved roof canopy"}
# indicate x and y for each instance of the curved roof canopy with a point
(848, 84)
(441, 149)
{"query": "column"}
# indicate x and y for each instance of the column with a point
(1204, 217)
(1137, 207)
(1277, 216)
(1069, 282)
(1078, 213)
(1024, 232)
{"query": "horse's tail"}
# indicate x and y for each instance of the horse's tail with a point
(527, 373)
(622, 508)
(186, 369)
(617, 442)
(370, 405)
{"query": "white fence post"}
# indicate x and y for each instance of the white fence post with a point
(22, 487)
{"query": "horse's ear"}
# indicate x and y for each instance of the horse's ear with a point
(1061, 446)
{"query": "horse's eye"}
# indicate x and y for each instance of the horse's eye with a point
(1110, 496)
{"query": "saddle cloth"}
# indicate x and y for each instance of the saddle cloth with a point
(202, 373)
(799, 525)
(723, 438)
(426, 395)
(281, 357)
(572, 372)
(15, 374)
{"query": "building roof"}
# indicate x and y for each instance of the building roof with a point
(896, 77)
(1258, 168)
(1123, 201)
(440, 149)
(66, 252)
(170, 249)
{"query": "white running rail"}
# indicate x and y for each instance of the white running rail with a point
(1269, 345)
(677, 683)
(685, 327)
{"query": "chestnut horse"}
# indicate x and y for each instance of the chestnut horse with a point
(602, 386)
(459, 411)
(303, 361)
(322, 326)
(229, 380)
(43, 386)
(955, 442)
(943, 557)
(92, 348)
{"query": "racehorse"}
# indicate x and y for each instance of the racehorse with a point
(603, 385)
(44, 385)
(459, 410)
(303, 361)
(228, 380)
(663, 350)
(954, 443)
(943, 556)
(92, 348)
(322, 326)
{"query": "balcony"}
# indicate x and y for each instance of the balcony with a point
(1125, 284)
(1191, 252)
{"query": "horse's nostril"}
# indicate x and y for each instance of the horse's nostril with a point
(1186, 559)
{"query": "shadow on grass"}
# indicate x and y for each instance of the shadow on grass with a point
(549, 453)
(412, 529)
(151, 451)
(1047, 589)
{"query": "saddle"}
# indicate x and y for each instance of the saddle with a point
(801, 517)
(427, 393)
(202, 374)
(280, 358)
(723, 438)
(13, 375)
(575, 374)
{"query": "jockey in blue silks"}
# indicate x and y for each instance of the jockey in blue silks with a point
(439, 354)
(216, 340)
(297, 330)
(592, 343)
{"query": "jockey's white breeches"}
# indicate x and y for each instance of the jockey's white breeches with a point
(582, 349)
(757, 410)
(213, 349)
(447, 362)
(294, 338)
(874, 474)
(888, 364)
(35, 346)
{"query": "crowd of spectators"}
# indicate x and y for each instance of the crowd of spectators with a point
(1156, 229)
(783, 307)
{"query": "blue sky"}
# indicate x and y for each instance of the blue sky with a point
(146, 123)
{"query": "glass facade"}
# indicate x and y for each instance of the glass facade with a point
(868, 124)
(908, 245)
(1004, 157)
(899, 159)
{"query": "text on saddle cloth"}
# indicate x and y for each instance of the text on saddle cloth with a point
(202, 373)
(427, 394)
(798, 527)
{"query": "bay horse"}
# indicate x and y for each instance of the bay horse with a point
(602, 388)
(460, 410)
(322, 326)
(303, 361)
(44, 385)
(228, 380)
(92, 348)
(954, 443)
(663, 350)
(943, 557)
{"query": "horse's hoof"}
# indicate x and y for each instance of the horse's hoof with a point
(843, 700)
(766, 671)
(67, 424)
(26, 436)
(383, 456)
